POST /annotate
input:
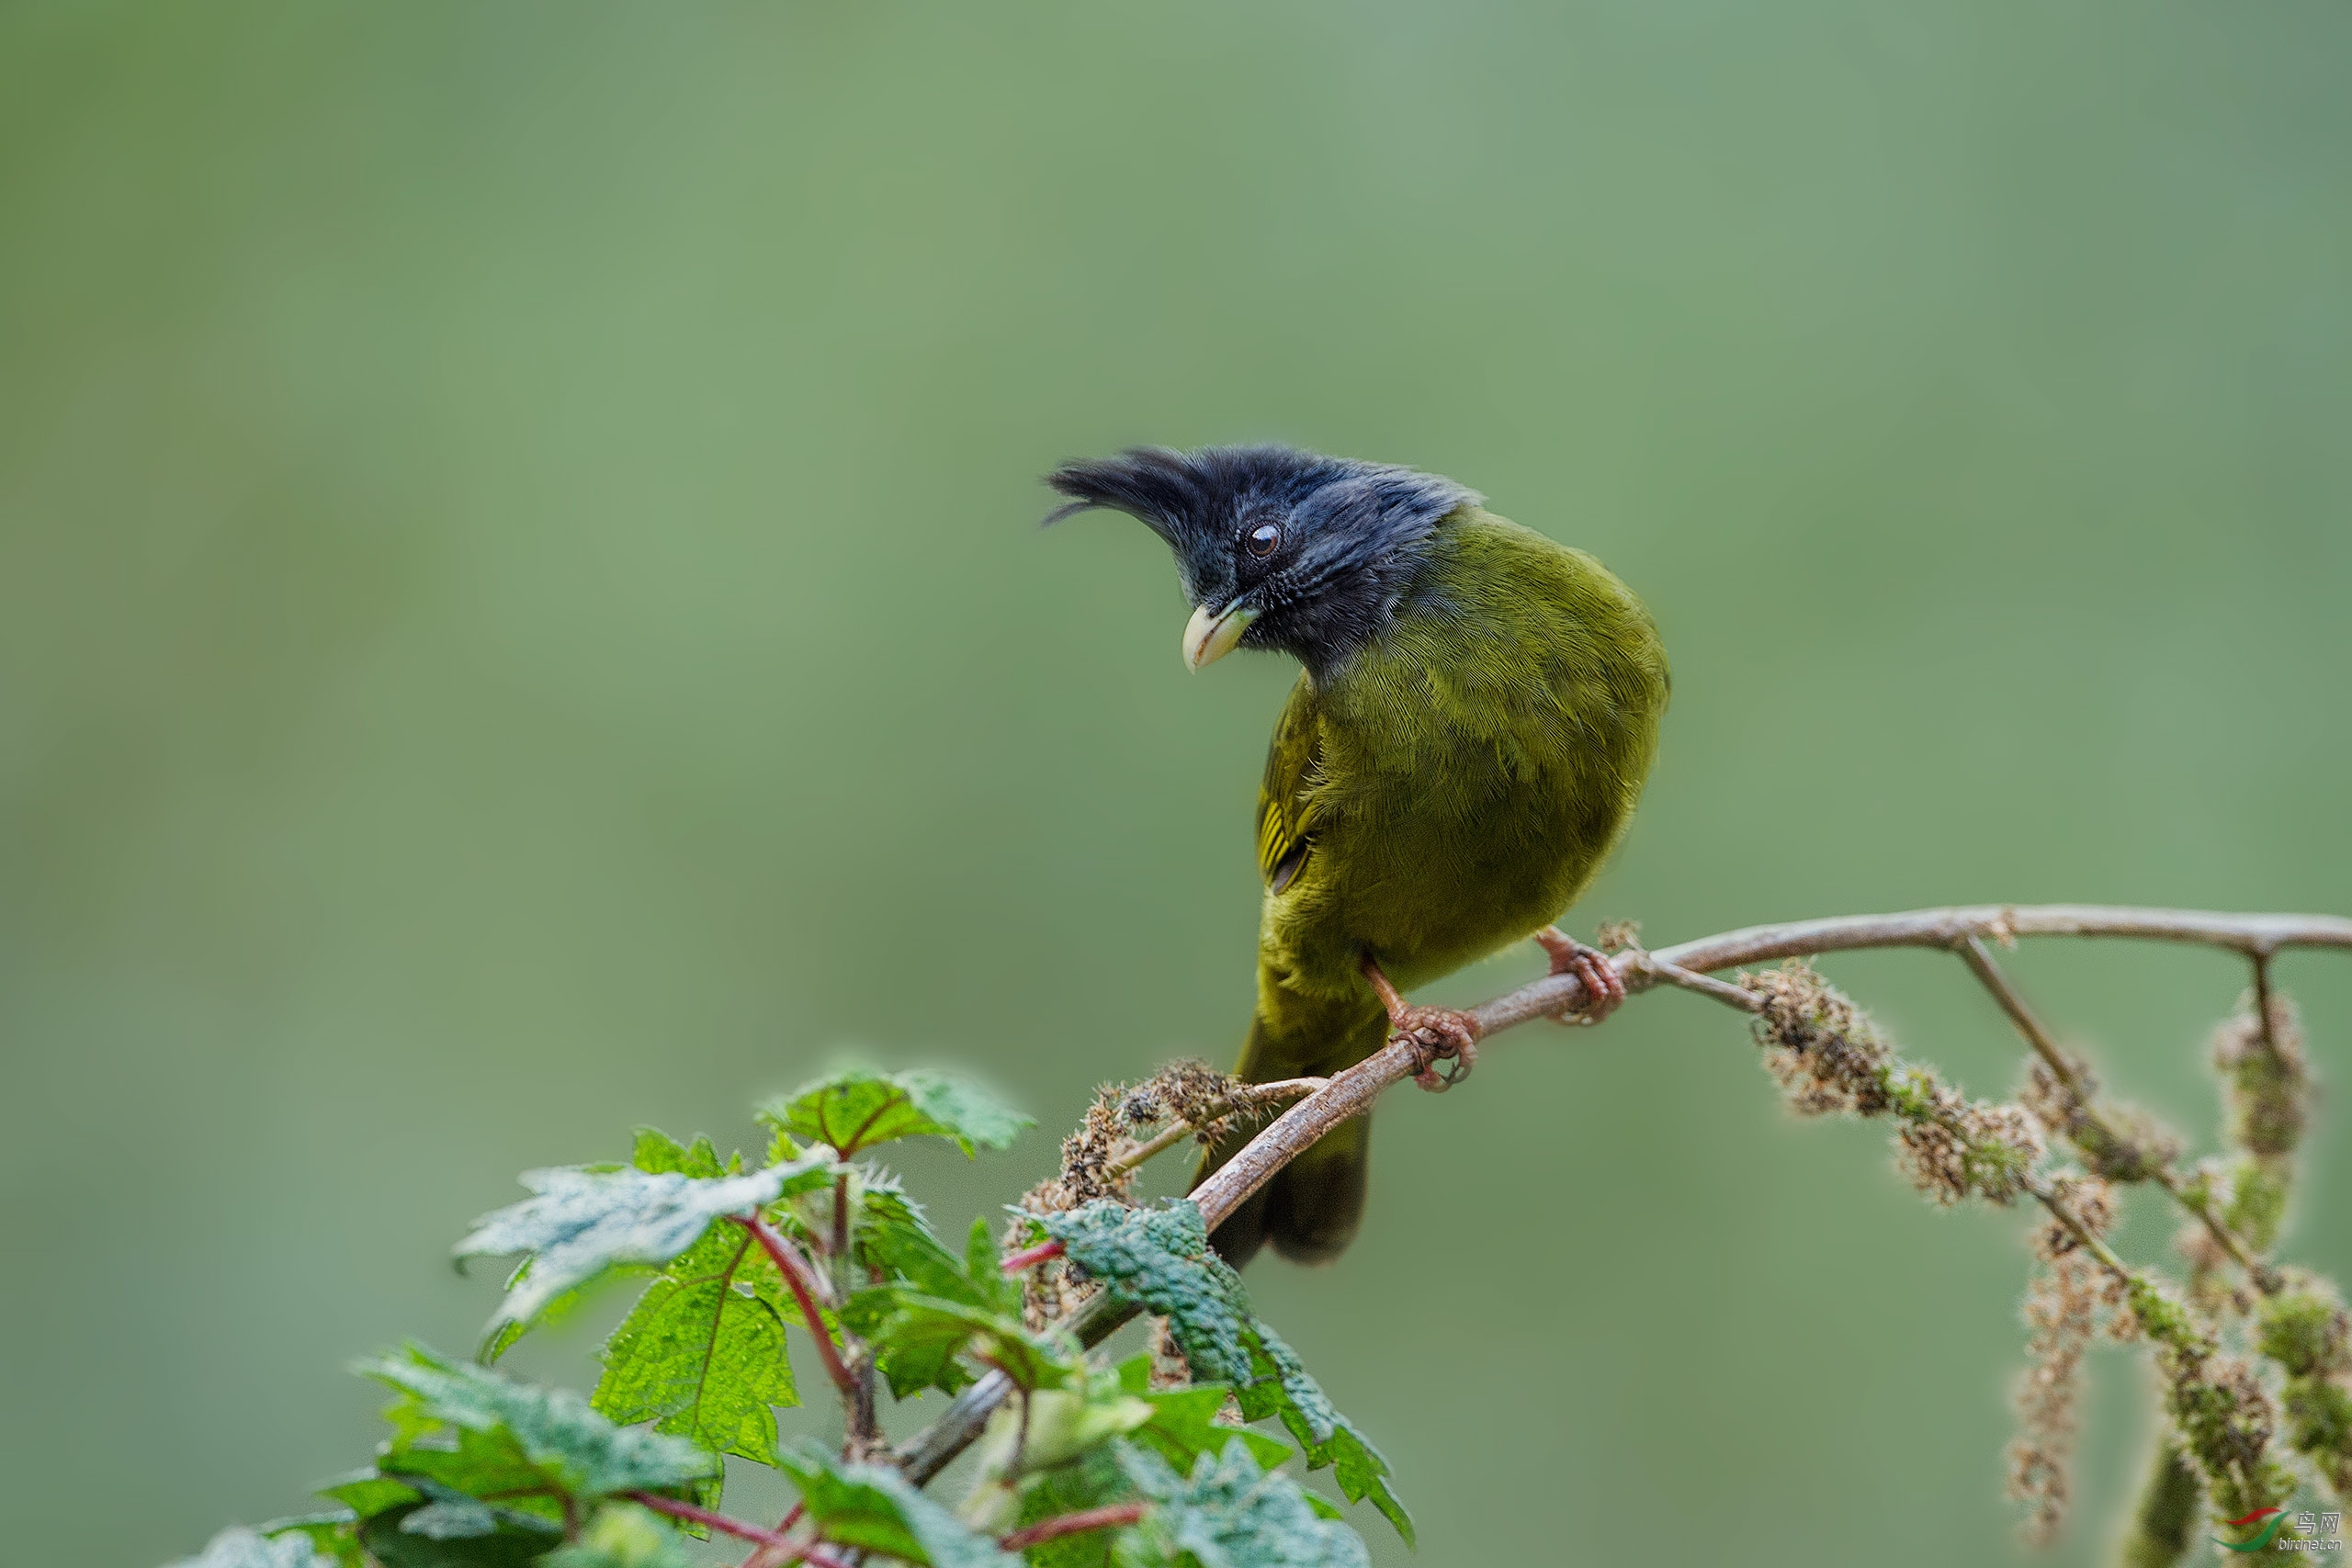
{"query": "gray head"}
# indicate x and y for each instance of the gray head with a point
(1278, 547)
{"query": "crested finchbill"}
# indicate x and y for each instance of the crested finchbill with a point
(1477, 711)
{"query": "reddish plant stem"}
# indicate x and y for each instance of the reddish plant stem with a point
(841, 1221)
(1029, 1257)
(1110, 1517)
(766, 1556)
(741, 1529)
(800, 1275)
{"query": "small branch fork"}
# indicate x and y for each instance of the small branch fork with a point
(1249, 1099)
(2045, 1045)
(1686, 965)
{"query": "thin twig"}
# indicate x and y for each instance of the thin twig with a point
(1692, 980)
(1178, 1130)
(2045, 1045)
(2262, 1000)
(1350, 1093)
(1110, 1517)
(764, 1557)
(801, 1276)
(2013, 1002)
(2084, 1236)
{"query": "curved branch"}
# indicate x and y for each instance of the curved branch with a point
(1351, 1092)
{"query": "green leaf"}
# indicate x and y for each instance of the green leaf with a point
(1328, 1437)
(1184, 1424)
(480, 1433)
(854, 1110)
(1094, 1480)
(656, 1153)
(367, 1494)
(585, 1220)
(333, 1534)
(910, 1365)
(920, 1327)
(1160, 1260)
(1231, 1514)
(1057, 1426)
(909, 1251)
(924, 1355)
(622, 1535)
(242, 1547)
(878, 1509)
(702, 1355)
(411, 1537)
(442, 1464)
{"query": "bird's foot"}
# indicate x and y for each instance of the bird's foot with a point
(1440, 1034)
(1604, 988)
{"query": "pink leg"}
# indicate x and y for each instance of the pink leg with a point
(1442, 1033)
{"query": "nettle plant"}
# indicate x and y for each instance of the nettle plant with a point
(1181, 1455)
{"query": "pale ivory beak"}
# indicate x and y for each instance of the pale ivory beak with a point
(1210, 636)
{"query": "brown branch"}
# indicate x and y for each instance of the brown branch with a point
(1350, 1093)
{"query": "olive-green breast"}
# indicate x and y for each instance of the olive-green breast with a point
(1452, 785)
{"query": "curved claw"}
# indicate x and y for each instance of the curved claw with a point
(1438, 1034)
(1443, 1035)
(1604, 988)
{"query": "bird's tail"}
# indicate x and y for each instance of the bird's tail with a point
(1310, 1209)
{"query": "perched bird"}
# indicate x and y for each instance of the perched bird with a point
(1478, 709)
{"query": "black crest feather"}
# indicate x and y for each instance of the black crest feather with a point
(1352, 532)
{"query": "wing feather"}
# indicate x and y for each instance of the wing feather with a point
(1286, 794)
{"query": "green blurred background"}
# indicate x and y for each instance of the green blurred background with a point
(521, 614)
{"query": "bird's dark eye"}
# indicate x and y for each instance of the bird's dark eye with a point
(1264, 540)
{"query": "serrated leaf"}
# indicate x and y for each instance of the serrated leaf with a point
(702, 1355)
(855, 1109)
(917, 1323)
(1184, 1424)
(240, 1547)
(1160, 1260)
(878, 1509)
(1230, 1513)
(511, 1438)
(622, 1535)
(902, 1248)
(1094, 1480)
(584, 1220)
(1328, 1437)
(656, 1153)
(912, 1365)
